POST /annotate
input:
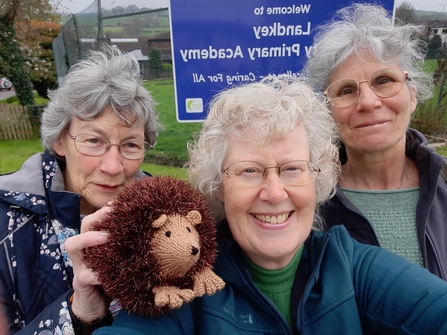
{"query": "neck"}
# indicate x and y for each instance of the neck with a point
(379, 171)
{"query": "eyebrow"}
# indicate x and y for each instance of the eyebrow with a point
(103, 133)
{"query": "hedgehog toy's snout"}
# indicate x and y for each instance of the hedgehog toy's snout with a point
(194, 251)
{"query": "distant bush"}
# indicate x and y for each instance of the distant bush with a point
(12, 99)
(429, 119)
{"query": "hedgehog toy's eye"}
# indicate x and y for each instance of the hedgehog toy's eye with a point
(168, 233)
(188, 229)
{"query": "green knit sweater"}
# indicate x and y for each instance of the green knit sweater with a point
(392, 214)
(277, 284)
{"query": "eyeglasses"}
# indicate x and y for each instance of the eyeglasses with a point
(91, 145)
(293, 173)
(384, 83)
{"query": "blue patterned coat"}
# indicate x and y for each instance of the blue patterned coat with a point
(37, 215)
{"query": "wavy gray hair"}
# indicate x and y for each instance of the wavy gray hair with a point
(103, 79)
(270, 108)
(369, 27)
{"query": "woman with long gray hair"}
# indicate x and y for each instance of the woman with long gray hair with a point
(392, 191)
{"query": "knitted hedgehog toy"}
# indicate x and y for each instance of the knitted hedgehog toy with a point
(160, 248)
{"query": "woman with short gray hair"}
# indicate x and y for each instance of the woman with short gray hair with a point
(96, 130)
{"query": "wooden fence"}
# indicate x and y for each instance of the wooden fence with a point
(14, 123)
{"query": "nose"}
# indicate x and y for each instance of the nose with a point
(112, 160)
(194, 251)
(366, 98)
(272, 188)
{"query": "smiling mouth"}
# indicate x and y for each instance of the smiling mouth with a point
(271, 219)
(372, 124)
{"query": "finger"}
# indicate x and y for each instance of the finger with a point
(76, 244)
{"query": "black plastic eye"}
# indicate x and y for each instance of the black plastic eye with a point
(168, 233)
(188, 229)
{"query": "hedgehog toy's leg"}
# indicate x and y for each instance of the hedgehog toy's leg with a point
(172, 296)
(207, 282)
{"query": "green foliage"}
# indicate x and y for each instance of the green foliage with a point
(167, 67)
(435, 43)
(12, 99)
(13, 62)
(155, 62)
(429, 118)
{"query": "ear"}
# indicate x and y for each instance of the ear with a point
(59, 146)
(220, 193)
(414, 101)
(194, 217)
(160, 221)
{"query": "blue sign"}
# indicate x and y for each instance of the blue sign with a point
(218, 43)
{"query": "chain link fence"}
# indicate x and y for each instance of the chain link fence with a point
(138, 27)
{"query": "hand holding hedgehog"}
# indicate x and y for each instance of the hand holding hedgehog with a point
(160, 249)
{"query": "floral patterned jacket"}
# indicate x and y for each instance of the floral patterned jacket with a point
(37, 215)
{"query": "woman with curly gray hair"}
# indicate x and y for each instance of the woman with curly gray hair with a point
(263, 112)
(96, 130)
(265, 161)
(392, 190)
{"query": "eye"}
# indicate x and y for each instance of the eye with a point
(346, 91)
(384, 80)
(188, 229)
(90, 140)
(293, 168)
(168, 233)
(132, 145)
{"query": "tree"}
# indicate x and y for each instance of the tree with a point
(435, 43)
(37, 49)
(16, 15)
(132, 9)
(405, 13)
(11, 56)
(155, 62)
(118, 10)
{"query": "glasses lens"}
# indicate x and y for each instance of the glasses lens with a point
(343, 92)
(249, 173)
(91, 145)
(387, 82)
(134, 149)
(298, 172)
(295, 173)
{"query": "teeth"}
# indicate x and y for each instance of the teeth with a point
(272, 219)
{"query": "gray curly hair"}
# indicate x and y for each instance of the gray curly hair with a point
(106, 78)
(270, 108)
(369, 27)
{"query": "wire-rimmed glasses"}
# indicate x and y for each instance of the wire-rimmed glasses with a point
(92, 145)
(384, 83)
(293, 173)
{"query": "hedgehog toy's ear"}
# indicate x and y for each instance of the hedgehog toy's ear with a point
(194, 217)
(160, 221)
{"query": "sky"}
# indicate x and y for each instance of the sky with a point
(75, 6)
(428, 5)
